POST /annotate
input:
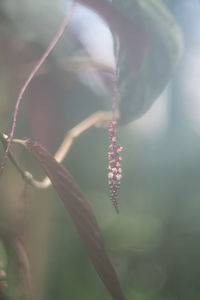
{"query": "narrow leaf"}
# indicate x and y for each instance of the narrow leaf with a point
(82, 215)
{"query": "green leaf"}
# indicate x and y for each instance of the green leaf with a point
(140, 91)
(151, 43)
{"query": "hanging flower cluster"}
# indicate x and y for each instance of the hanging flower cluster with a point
(114, 165)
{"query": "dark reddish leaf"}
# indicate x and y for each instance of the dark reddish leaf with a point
(82, 215)
(132, 32)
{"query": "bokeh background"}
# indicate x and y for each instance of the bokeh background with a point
(154, 243)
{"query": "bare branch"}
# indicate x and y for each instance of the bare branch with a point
(98, 119)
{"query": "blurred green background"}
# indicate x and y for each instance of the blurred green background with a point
(154, 243)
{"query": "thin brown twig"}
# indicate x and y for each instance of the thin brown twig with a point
(27, 82)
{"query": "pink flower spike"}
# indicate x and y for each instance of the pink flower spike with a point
(114, 157)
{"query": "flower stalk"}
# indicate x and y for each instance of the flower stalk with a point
(114, 156)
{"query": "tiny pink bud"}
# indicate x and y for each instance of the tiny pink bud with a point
(118, 177)
(114, 139)
(110, 175)
(114, 170)
(119, 149)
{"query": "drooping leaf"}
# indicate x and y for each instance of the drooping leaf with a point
(132, 31)
(152, 46)
(82, 216)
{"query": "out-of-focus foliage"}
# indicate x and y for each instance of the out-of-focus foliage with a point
(154, 243)
(164, 51)
(152, 46)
